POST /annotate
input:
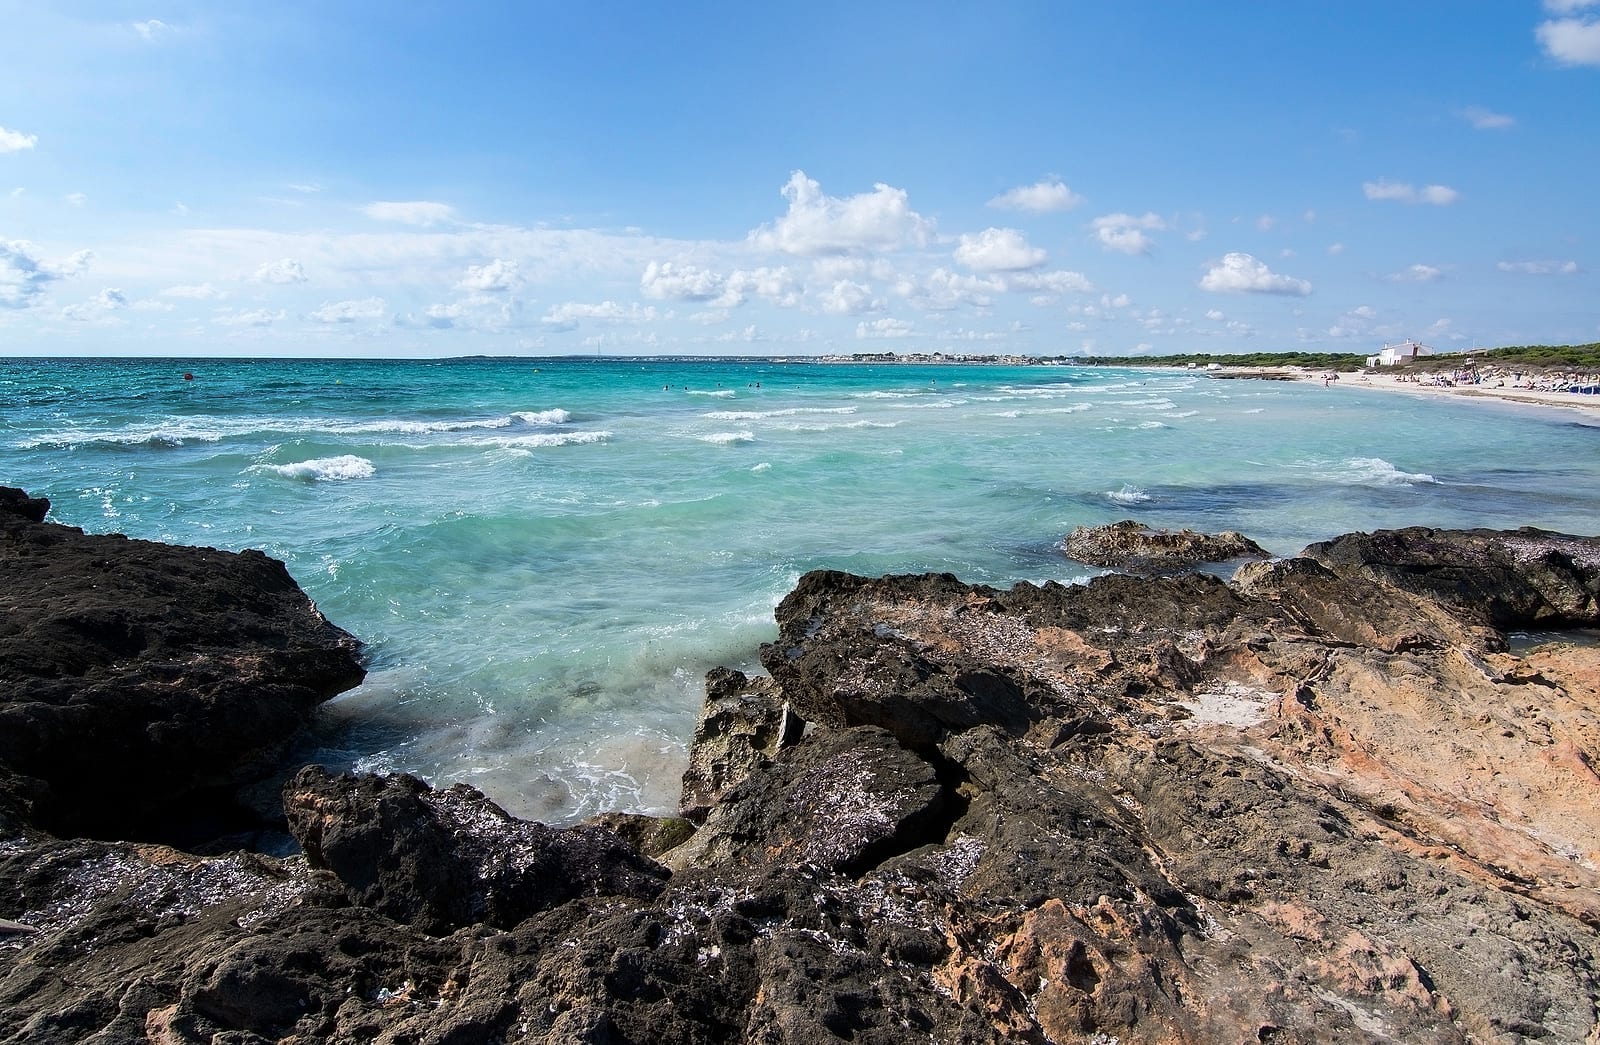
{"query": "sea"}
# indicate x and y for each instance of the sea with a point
(545, 556)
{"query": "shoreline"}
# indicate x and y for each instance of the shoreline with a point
(1588, 406)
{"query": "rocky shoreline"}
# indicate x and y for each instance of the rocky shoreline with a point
(1327, 800)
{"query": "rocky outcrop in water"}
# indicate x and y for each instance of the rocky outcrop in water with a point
(1330, 801)
(1133, 546)
(142, 684)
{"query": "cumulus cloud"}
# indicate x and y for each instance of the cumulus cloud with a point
(412, 212)
(1571, 41)
(497, 275)
(777, 285)
(283, 271)
(665, 281)
(999, 250)
(942, 290)
(1383, 189)
(350, 311)
(16, 141)
(884, 328)
(258, 317)
(152, 29)
(1415, 274)
(195, 292)
(1239, 273)
(1539, 268)
(1060, 281)
(100, 306)
(848, 298)
(1487, 119)
(820, 224)
(569, 315)
(1125, 233)
(24, 275)
(1041, 197)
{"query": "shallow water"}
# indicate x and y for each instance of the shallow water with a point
(545, 556)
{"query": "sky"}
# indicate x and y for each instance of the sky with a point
(1042, 178)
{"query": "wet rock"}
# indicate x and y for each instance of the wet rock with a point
(743, 723)
(140, 680)
(441, 860)
(1133, 546)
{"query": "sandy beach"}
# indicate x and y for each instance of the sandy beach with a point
(1587, 407)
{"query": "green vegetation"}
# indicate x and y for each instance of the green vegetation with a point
(1528, 357)
(1345, 361)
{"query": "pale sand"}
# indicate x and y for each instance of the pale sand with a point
(1586, 406)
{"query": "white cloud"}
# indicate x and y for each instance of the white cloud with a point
(1415, 274)
(195, 291)
(1125, 233)
(665, 281)
(942, 290)
(1539, 268)
(884, 328)
(259, 317)
(498, 275)
(1239, 273)
(849, 298)
(1571, 41)
(151, 29)
(16, 141)
(282, 272)
(999, 250)
(24, 275)
(1335, 249)
(77, 199)
(568, 316)
(1563, 7)
(777, 285)
(1266, 222)
(1040, 197)
(1060, 281)
(820, 224)
(413, 212)
(98, 307)
(1216, 315)
(1487, 119)
(350, 311)
(1383, 189)
(748, 335)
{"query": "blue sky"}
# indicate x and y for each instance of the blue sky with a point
(430, 179)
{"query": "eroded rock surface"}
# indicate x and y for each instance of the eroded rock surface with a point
(135, 676)
(1132, 545)
(1325, 802)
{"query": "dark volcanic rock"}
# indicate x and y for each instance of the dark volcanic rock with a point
(1134, 546)
(441, 860)
(1527, 578)
(134, 675)
(1325, 803)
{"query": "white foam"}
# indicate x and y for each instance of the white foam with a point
(540, 439)
(323, 469)
(1375, 471)
(764, 466)
(758, 415)
(728, 438)
(1129, 494)
(720, 393)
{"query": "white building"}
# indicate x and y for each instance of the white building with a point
(1403, 354)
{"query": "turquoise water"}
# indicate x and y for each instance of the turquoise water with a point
(545, 556)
